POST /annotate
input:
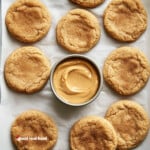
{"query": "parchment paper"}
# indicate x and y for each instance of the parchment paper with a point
(12, 103)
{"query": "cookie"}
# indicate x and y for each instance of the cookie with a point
(130, 121)
(126, 70)
(28, 20)
(27, 70)
(78, 31)
(93, 133)
(33, 130)
(88, 3)
(125, 20)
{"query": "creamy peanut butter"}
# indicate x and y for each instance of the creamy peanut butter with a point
(76, 80)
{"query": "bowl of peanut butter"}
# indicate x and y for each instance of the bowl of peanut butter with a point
(76, 80)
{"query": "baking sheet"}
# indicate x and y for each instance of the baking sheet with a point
(13, 103)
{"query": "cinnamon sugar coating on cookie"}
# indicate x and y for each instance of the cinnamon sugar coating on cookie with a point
(78, 31)
(27, 70)
(93, 133)
(125, 20)
(28, 20)
(130, 121)
(126, 70)
(88, 3)
(34, 130)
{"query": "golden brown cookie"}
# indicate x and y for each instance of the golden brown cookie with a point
(78, 31)
(28, 20)
(130, 121)
(88, 3)
(27, 69)
(126, 70)
(125, 20)
(93, 133)
(34, 130)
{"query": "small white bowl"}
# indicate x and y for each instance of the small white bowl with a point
(86, 59)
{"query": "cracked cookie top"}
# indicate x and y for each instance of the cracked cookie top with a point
(93, 133)
(34, 130)
(125, 20)
(88, 3)
(130, 121)
(78, 31)
(28, 20)
(126, 70)
(27, 70)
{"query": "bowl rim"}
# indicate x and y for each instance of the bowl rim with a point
(86, 59)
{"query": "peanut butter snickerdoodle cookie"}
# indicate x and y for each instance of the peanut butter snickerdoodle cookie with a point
(78, 31)
(125, 20)
(27, 70)
(88, 3)
(126, 70)
(93, 133)
(130, 121)
(28, 20)
(34, 130)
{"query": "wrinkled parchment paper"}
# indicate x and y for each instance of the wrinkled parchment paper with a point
(12, 103)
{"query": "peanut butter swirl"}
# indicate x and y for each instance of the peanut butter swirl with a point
(76, 80)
